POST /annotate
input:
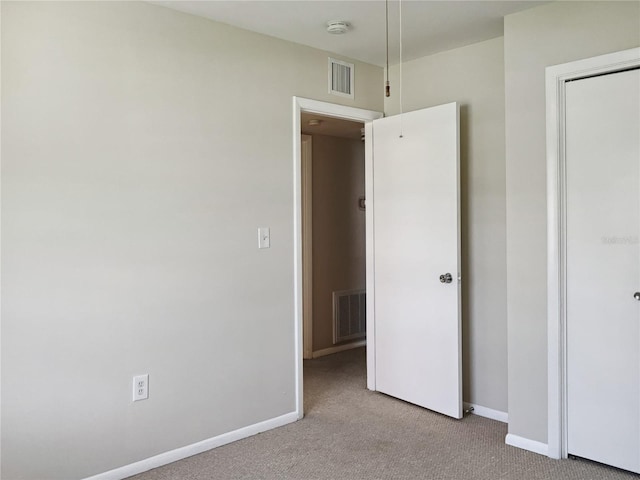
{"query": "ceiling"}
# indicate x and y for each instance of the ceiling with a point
(428, 27)
(333, 127)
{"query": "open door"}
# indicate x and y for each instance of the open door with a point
(416, 233)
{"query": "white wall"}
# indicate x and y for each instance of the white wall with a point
(556, 33)
(474, 77)
(141, 149)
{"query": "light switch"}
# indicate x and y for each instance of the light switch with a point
(264, 237)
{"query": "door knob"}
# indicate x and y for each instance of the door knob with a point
(636, 295)
(447, 278)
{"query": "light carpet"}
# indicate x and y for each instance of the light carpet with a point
(351, 433)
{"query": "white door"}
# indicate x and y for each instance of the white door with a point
(416, 234)
(603, 268)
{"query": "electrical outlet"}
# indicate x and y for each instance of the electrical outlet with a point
(140, 387)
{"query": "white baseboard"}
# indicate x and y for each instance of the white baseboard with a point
(339, 348)
(487, 412)
(193, 449)
(526, 444)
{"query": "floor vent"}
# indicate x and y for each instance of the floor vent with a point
(349, 315)
(341, 78)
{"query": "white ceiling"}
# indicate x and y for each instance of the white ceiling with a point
(428, 27)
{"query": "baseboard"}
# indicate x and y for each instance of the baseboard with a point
(339, 348)
(194, 449)
(526, 444)
(487, 412)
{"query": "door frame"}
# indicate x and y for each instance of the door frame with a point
(556, 78)
(306, 152)
(348, 113)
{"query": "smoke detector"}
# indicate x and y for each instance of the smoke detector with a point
(314, 122)
(337, 27)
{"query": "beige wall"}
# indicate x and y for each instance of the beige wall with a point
(474, 77)
(338, 228)
(131, 193)
(141, 149)
(552, 34)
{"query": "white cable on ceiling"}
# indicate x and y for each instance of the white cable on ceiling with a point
(400, 86)
(387, 88)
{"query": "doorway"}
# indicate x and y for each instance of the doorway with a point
(594, 259)
(333, 235)
(412, 253)
(306, 106)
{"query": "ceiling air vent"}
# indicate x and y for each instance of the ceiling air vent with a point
(340, 78)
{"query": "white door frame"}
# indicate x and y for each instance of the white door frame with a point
(556, 78)
(307, 245)
(349, 113)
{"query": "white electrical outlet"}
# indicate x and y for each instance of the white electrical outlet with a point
(140, 387)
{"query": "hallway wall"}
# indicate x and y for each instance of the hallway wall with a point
(338, 228)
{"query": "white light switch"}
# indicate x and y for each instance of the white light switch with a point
(264, 237)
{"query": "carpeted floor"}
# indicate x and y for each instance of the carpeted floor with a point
(351, 433)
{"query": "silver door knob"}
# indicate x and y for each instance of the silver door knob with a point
(446, 278)
(636, 295)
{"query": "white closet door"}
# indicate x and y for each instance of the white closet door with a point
(603, 268)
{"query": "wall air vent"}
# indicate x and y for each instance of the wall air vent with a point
(349, 315)
(341, 78)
